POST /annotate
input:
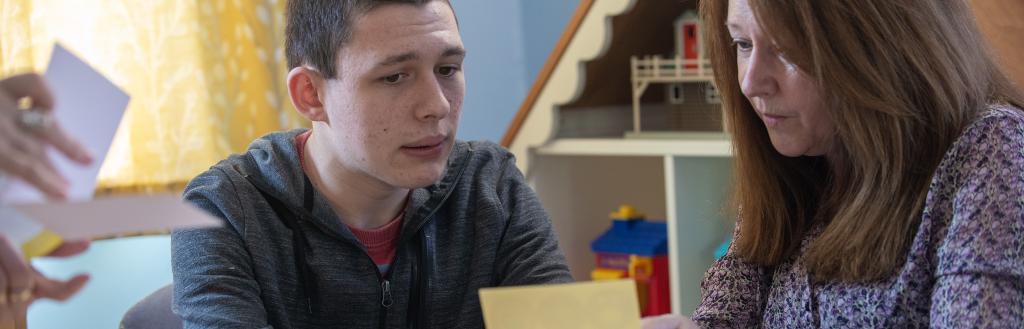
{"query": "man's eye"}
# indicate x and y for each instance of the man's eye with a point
(394, 78)
(447, 71)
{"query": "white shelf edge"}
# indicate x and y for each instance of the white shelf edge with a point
(636, 147)
(672, 218)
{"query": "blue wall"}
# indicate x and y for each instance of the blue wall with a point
(495, 80)
(543, 24)
(507, 41)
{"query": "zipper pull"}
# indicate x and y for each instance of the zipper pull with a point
(386, 300)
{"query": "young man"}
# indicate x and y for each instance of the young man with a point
(376, 217)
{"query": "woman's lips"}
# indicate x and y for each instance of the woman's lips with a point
(771, 120)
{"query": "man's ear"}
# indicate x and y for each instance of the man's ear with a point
(304, 89)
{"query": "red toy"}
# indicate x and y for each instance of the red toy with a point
(636, 248)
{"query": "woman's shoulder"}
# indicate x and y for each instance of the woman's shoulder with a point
(981, 177)
(994, 140)
(999, 114)
(984, 187)
(998, 125)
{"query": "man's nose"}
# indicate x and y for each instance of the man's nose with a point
(432, 103)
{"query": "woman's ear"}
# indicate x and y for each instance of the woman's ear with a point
(304, 89)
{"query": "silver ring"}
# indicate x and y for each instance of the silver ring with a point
(33, 121)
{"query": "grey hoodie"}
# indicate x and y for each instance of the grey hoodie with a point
(285, 260)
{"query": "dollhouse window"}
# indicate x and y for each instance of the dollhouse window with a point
(675, 94)
(711, 95)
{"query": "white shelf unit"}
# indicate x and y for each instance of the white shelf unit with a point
(682, 179)
(637, 147)
(684, 182)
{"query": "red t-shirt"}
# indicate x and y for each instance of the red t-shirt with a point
(380, 242)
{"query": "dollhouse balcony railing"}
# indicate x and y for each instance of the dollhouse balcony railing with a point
(654, 69)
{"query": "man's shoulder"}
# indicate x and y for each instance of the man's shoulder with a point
(483, 147)
(487, 171)
(271, 153)
(219, 188)
(481, 153)
(479, 162)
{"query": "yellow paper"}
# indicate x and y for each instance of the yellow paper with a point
(608, 304)
(30, 236)
(42, 244)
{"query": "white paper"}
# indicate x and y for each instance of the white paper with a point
(89, 107)
(17, 227)
(107, 217)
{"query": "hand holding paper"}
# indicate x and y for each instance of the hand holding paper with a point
(25, 135)
(90, 107)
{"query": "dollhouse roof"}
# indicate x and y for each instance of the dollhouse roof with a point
(638, 237)
(590, 65)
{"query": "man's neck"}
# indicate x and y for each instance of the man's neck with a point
(359, 200)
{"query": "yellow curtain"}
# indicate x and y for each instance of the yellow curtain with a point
(205, 77)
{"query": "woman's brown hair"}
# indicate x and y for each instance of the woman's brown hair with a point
(901, 79)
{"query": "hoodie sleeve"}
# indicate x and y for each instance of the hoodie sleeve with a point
(528, 251)
(214, 284)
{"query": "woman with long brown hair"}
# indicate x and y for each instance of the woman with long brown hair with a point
(879, 168)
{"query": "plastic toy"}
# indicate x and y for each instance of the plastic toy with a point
(636, 248)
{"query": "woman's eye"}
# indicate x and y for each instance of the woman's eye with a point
(742, 45)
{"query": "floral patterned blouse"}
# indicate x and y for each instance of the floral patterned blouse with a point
(965, 268)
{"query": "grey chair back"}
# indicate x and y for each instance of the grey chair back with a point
(153, 312)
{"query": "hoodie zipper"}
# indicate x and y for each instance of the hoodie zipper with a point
(386, 295)
(386, 299)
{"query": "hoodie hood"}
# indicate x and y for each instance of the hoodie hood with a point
(272, 165)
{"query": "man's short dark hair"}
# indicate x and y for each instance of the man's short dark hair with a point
(317, 29)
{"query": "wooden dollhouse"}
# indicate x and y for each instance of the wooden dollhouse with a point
(588, 134)
(569, 135)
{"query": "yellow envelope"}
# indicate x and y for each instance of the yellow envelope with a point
(608, 304)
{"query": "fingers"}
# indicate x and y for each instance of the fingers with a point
(70, 248)
(29, 85)
(6, 312)
(17, 285)
(14, 138)
(20, 320)
(20, 310)
(56, 289)
(19, 275)
(34, 87)
(28, 144)
(33, 171)
(24, 153)
(71, 148)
